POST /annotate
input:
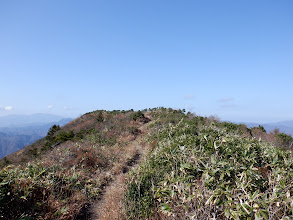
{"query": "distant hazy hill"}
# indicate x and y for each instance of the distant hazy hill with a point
(11, 143)
(284, 126)
(17, 131)
(28, 120)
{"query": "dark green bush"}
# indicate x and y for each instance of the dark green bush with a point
(100, 117)
(64, 136)
(231, 127)
(137, 115)
(262, 128)
(284, 140)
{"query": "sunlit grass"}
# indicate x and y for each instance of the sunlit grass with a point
(201, 169)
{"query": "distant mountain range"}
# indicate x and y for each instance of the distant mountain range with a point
(28, 120)
(18, 131)
(283, 126)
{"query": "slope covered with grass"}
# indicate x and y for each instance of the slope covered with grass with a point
(196, 168)
(60, 176)
(203, 169)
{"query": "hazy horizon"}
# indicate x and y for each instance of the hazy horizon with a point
(235, 121)
(231, 59)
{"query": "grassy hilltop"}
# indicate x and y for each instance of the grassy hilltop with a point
(153, 164)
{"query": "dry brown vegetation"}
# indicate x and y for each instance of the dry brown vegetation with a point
(75, 173)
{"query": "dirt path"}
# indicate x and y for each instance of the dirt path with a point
(111, 206)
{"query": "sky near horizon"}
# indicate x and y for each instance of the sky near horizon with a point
(232, 59)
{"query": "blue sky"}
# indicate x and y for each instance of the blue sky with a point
(232, 59)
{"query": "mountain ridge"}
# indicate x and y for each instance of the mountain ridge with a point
(181, 166)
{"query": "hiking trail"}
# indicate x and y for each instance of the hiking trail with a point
(110, 204)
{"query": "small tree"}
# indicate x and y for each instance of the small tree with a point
(51, 132)
(100, 117)
(262, 128)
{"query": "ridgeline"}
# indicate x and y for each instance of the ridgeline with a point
(152, 164)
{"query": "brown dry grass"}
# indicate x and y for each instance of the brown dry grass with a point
(113, 206)
(98, 161)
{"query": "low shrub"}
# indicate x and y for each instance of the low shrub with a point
(200, 171)
(284, 140)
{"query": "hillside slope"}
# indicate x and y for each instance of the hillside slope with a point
(155, 164)
(61, 175)
(204, 169)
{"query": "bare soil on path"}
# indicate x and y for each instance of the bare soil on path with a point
(111, 203)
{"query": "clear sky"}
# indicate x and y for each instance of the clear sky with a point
(232, 59)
